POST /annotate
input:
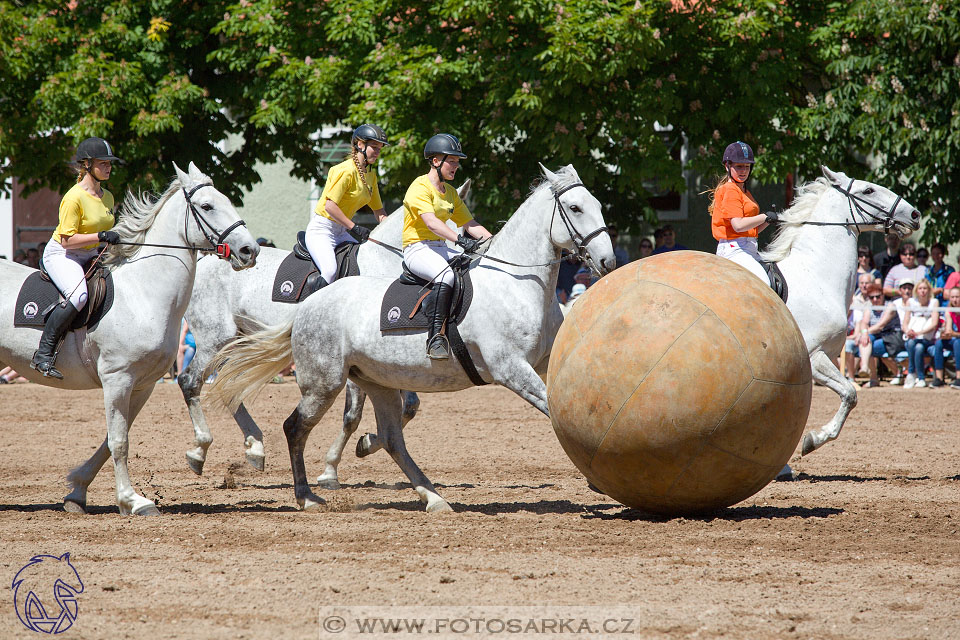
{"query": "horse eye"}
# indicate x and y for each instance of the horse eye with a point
(206, 206)
(868, 191)
(575, 208)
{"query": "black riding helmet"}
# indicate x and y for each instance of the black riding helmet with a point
(96, 148)
(442, 144)
(369, 132)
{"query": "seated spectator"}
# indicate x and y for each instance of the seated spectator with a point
(657, 238)
(578, 290)
(669, 241)
(8, 376)
(922, 256)
(619, 252)
(857, 307)
(646, 248)
(20, 256)
(908, 268)
(920, 328)
(890, 256)
(938, 272)
(188, 347)
(568, 268)
(865, 265)
(949, 339)
(583, 276)
(33, 258)
(879, 335)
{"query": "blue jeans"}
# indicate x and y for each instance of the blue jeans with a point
(916, 349)
(953, 344)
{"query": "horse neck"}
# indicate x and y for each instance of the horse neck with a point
(525, 240)
(828, 253)
(170, 272)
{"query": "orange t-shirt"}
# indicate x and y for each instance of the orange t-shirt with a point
(730, 201)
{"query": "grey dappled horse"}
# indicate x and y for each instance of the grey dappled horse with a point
(816, 249)
(225, 304)
(133, 345)
(509, 331)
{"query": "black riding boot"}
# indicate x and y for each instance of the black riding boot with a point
(438, 347)
(58, 322)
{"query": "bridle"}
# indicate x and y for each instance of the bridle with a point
(216, 241)
(856, 202)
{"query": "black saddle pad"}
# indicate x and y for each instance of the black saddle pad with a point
(38, 296)
(400, 308)
(290, 284)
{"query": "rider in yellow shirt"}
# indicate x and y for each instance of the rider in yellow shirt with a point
(350, 185)
(427, 206)
(86, 215)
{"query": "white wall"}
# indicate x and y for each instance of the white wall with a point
(6, 224)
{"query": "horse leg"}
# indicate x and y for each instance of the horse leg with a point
(80, 478)
(388, 407)
(523, 380)
(825, 372)
(369, 443)
(297, 427)
(252, 438)
(191, 383)
(352, 412)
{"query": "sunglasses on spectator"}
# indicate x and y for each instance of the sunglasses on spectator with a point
(878, 295)
(908, 253)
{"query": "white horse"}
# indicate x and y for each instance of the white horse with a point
(134, 344)
(509, 331)
(816, 249)
(225, 304)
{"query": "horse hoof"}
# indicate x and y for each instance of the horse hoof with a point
(148, 510)
(808, 445)
(331, 484)
(72, 506)
(256, 461)
(363, 445)
(254, 452)
(786, 474)
(440, 506)
(195, 463)
(312, 502)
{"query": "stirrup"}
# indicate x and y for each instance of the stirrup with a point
(46, 368)
(438, 347)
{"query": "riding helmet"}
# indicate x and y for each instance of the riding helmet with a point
(96, 148)
(369, 132)
(738, 153)
(443, 144)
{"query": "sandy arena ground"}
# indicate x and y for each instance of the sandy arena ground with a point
(864, 544)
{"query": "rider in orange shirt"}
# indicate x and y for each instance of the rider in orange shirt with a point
(736, 217)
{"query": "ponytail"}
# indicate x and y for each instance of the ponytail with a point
(713, 192)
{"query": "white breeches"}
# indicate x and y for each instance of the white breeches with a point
(65, 267)
(322, 237)
(428, 259)
(745, 252)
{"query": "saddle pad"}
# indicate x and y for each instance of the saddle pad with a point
(291, 274)
(400, 299)
(38, 295)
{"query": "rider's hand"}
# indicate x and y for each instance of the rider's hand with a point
(110, 237)
(358, 233)
(467, 243)
(772, 217)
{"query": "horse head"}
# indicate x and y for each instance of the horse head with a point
(873, 206)
(216, 221)
(580, 227)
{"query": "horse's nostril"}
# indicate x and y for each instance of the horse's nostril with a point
(915, 215)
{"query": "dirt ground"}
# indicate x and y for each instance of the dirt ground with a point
(864, 544)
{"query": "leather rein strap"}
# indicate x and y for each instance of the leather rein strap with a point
(854, 202)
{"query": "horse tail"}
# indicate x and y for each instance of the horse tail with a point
(248, 362)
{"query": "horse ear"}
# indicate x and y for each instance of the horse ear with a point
(195, 173)
(549, 175)
(834, 177)
(573, 172)
(465, 188)
(181, 176)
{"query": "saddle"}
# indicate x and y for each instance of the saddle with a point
(298, 277)
(407, 300)
(38, 296)
(777, 282)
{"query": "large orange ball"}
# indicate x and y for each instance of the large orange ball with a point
(679, 383)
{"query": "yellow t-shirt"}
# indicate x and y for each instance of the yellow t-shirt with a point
(421, 197)
(345, 187)
(81, 212)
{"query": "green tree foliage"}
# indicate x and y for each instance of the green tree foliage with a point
(891, 90)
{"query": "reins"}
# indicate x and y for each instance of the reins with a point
(854, 202)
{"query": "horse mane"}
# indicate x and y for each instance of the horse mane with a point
(808, 195)
(137, 214)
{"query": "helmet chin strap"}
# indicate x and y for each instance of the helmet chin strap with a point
(439, 175)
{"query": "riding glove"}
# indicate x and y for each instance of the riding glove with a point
(467, 243)
(358, 233)
(110, 237)
(772, 217)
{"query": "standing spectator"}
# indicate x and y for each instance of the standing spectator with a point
(621, 254)
(949, 339)
(568, 269)
(885, 260)
(657, 238)
(865, 265)
(938, 272)
(669, 241)
(908, 268)
(919, 329)
(646, 248)
(879, 335)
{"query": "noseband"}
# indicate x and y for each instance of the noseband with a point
(579, 241)
(856, 202)
(216, 241)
